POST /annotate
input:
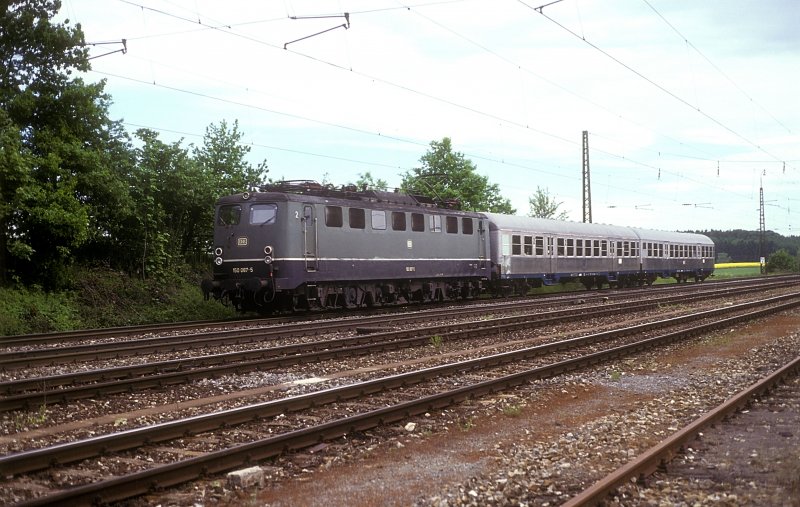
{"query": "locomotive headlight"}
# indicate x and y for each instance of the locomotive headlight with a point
(218, 251)
(268, 250)
(268, 259)
(218, 261)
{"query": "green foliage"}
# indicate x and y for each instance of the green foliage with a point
(781, 262)
(543, 205)
(106, 298)
(449, 175)
(744, 246)
(436, 341)
(366, 181)
(25, 311)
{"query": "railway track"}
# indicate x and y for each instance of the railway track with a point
(224, 459)
(141, 332)
(724, 424)
(37, 391)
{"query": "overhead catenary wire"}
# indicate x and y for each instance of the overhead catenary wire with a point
(631, 160)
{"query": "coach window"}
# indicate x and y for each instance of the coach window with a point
(357, 220)
(436, 223)
(417, 222)
(333, 216)
(560, 247)
(619, 248)
(596, 244)
(578, 248)
(528, 245)
(398, 221)
(604, 248)
(378, 220)
(506, 244)
(570, 247)
(466, 225)
(516, 245)
(229, 214)
(452, 225)
(539, 245)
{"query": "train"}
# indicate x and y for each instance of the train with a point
(299, 245)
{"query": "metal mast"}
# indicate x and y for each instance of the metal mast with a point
(761, 229)
(587, 187)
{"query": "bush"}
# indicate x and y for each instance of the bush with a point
(781, 261)
(101, 297)
(25, 311)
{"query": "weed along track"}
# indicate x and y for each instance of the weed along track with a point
(335, 404)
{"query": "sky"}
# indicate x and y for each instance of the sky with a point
(690, 107)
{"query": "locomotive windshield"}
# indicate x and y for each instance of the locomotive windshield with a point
(230, 214)
(261, 214)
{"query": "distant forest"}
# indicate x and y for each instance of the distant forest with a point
(742, 246)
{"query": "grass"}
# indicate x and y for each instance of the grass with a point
(737, 270)
(512, 410)
(436, 341)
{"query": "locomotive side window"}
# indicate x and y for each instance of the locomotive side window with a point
(436, 223)
(229, 214)
(528, 246)
(261, 214)
(452, 225)
(417, 222)
(333, 216)
(357, 220)
(516, 246)
(398, 221)
(539, 245)
(466, 225)
(378, 220)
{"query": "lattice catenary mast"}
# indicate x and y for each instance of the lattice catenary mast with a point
(587, 187)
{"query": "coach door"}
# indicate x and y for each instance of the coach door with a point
(309, 221)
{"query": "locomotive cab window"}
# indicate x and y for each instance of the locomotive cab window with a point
(230, 214)
(333, 216)
(357, 220)
(417, 222)
(378, 220)
(398, 221)
(263, 214)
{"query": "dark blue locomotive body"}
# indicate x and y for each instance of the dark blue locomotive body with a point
(299, 245)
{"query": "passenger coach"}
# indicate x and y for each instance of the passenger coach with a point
(534, 252)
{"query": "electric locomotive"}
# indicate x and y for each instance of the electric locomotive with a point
(301, 245)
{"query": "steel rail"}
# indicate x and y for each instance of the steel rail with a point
(124, 331)
(39, 459)
(115, 350)
(245, 454)
(655, 457)
(28, 392)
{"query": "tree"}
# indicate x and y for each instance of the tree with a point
(59, 186)
(366, 181)
(543, 205)
(448, 175)
(781, 261)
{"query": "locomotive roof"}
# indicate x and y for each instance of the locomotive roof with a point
(549, 226)
(346, 196)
